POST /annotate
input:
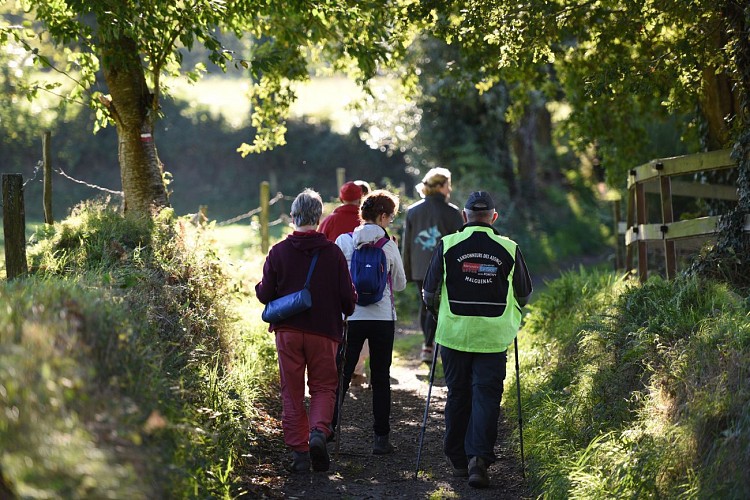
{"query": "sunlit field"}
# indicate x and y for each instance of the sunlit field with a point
(322, 98)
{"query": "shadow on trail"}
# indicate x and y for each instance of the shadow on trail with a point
(357, 474)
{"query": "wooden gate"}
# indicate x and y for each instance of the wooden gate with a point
(656, 177)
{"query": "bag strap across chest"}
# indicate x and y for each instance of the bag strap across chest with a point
(312, 266)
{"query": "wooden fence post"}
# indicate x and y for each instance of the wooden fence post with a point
(14, 226)
(667, 217)
(340, 176)
(616, 224)
(629, 223)
(47, 162)
(640, 220)
(265, 190)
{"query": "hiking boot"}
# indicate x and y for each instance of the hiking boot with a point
(300, 461)
(460, 472)
(357, 380)
(460, 469)
(426, 355)
(319, 451)
(381, 445)
(478, 477)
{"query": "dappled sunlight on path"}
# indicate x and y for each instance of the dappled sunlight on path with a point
(357, 474)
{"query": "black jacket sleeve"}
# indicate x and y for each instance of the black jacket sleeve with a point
(433, 280)
(521, 281)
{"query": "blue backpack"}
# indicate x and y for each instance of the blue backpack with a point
(369, 270)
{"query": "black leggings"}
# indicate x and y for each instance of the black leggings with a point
(380, 336)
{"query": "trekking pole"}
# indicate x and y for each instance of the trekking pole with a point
(340, 401)
(520, 419)
(427, 407)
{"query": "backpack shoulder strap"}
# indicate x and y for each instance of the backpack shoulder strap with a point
(381, 242)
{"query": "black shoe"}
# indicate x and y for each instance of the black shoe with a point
(460, 468)
(460, 472)
(319, 451)
(381, 445)
(478, 477)
(300, 461)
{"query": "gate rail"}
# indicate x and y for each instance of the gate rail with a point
(656, 177)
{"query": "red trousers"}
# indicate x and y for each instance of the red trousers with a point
(299, 351)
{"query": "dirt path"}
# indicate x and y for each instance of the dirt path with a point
(358, 474)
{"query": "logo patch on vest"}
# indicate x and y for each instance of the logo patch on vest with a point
(479, 274)
(480, 269)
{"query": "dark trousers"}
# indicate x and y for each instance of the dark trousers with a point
(475, 388)
(426, 319)
(380, 336)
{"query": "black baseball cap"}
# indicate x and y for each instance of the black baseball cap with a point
(479, 200)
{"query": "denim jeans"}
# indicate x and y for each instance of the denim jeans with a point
(475, 388)
(380, 335)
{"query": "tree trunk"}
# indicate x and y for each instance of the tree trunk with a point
(717, 103)
(6, 490)
(718, 99)
(496, 133)
(525, 147)
(140, 168)
(729, 259)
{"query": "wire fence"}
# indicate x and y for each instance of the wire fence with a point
(37, 169)
(284, 218)
(84, 183)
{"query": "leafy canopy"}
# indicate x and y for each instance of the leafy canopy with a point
(284, 37)
(620, 64)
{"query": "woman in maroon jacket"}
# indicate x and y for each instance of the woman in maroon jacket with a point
(308, 340)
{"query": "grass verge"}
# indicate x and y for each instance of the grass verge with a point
(636, 391)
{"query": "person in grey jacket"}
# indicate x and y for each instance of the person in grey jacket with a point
(376, 322)
(427, 221)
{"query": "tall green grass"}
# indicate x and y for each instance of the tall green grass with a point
(636, 391)
(127, 366)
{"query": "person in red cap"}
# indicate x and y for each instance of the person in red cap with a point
(343, 220)
(346, 216)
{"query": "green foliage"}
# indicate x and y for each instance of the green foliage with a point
(565, 223)
(150, 374)
(90, 239)
(460, 127)
(606, 59)
(636, 391)
(353, 36)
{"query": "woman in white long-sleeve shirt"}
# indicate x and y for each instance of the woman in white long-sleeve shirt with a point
(376, 322)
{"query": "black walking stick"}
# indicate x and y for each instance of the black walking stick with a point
(426, 408)
(520, 419)
(340, 401)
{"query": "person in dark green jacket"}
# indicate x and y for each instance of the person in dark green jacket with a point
(476, 284)
(425, 223)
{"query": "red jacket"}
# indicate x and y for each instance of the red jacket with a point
(343, 220)
(333, 294)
